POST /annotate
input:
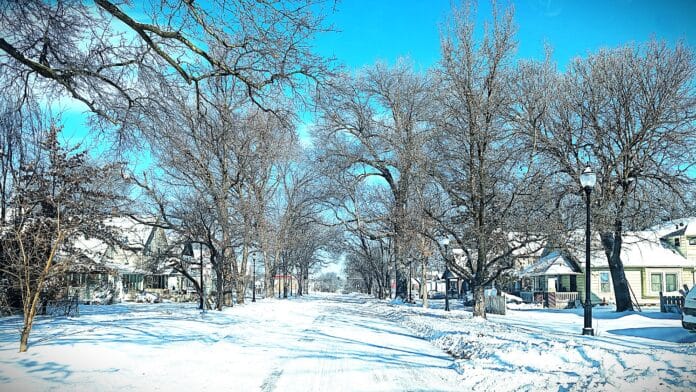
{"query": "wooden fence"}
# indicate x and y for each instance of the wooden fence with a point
(495, 304)
(671, 303)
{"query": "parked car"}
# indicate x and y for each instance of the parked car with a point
(689, 310)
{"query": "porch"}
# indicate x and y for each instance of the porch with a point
(551, 299)
(551, 281)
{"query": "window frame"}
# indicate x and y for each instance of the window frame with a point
(652, 283)
(602, 282)
(691, 240)
(676, 282)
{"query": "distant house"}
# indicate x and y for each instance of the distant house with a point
(112, 272)
(651, 266)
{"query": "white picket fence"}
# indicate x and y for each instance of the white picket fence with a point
(495, 304)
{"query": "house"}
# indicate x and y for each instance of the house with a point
(651, 266)
(682, 235)
(119, 270)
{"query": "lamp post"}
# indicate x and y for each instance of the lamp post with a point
(253, 284)
(588, 178)
(200, 250)
(446, 275)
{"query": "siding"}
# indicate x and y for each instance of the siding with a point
(598, 294)
(688, 277)
(638, 279)
(635, 277)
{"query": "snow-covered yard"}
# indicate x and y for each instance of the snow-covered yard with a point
(347, 342)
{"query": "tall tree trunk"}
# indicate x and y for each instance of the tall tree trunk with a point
(267, 276)
(479, 301)
(219, 286)
(424, 286)
(612, 247)
(241, 282)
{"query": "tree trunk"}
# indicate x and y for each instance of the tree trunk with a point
(267, 276)
(29, 315)
(424, 286)
(219, 286)
(240, 289)
(622, 292)
(479, 301)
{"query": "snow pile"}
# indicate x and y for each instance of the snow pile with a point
(534, 355)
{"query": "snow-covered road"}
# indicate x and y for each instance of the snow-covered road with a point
(349, 348)
(346, 343)
(332, 343)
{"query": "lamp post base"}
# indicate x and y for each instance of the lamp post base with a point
(588, 331)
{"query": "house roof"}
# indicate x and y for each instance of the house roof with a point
(133, 237)
(677, 227)
(638, 249)
(135, 234)
(555, 263)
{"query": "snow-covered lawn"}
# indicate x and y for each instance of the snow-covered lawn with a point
(345, 343)
(541, 349)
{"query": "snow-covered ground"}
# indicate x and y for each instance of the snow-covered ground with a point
(345, 343)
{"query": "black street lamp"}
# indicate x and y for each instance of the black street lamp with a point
(253, 285)
(446, 275)
(588, 178)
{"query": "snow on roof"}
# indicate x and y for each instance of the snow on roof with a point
(552, 264)
(135, 233)
(638, 249)
(92, 247)
(683, 226)
(124, 258)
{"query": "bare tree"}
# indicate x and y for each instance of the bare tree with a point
(58, 197)
(629, 114)
(489, 182)
(372, 127)
(111, 55)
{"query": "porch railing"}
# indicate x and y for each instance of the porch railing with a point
(556, 300)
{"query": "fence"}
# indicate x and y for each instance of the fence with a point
(495, 304)
(671, 303)
(66, 306)
(555, 300)
(563, 300)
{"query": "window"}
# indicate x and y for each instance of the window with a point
(656, 283)
(676, 242)
(604, 282)
(670, 282)
(692, 241)
(156, 282)
(132, 281)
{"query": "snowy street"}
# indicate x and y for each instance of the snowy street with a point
(330, 343)
(344, 343)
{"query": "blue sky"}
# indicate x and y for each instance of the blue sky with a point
(387, 29)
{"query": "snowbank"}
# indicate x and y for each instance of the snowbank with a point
(542, 349)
